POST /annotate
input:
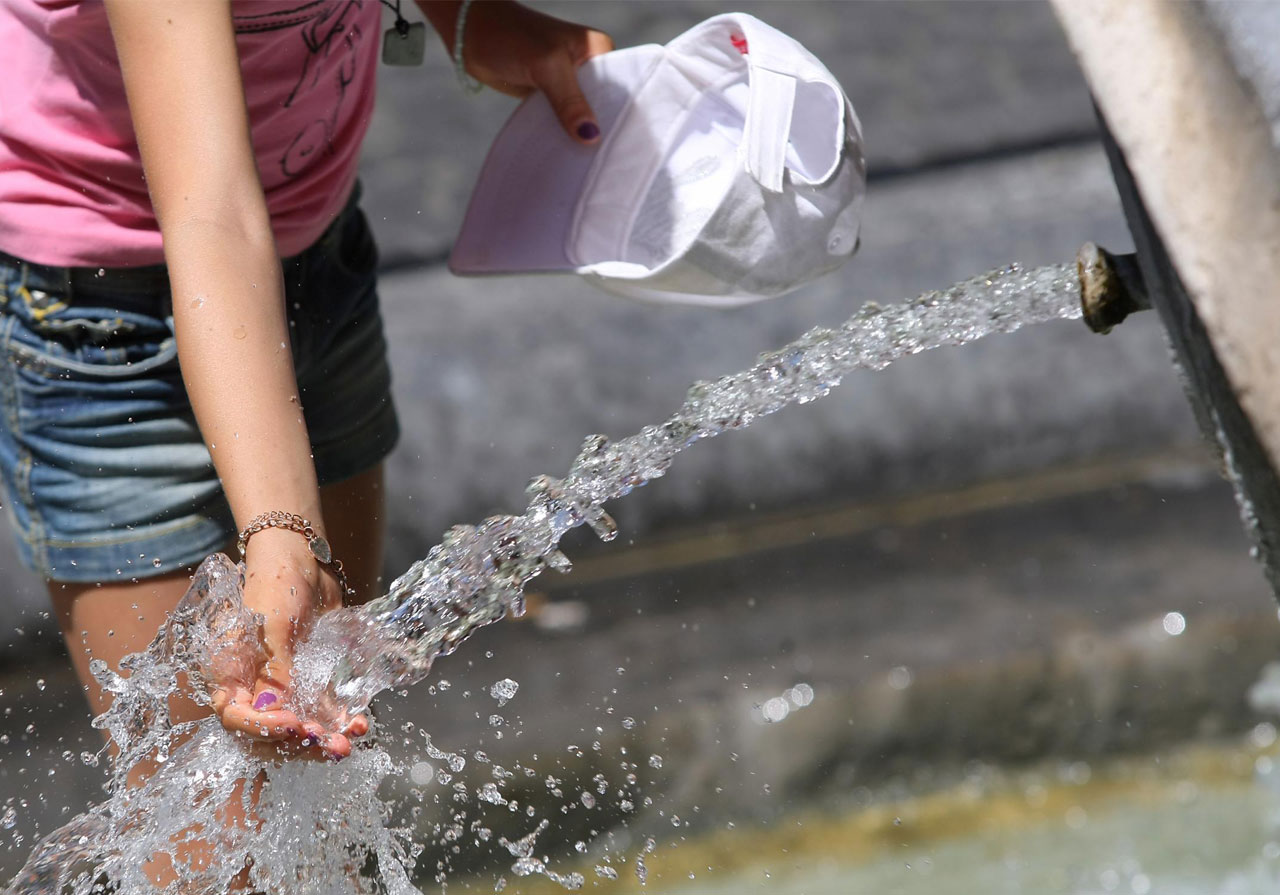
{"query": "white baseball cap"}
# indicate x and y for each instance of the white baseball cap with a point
(730, 170)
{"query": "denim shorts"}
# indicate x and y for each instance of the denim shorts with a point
(101, 460)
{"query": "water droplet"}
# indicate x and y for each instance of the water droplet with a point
(240, 332)
(655, 761)
(490, 793)
(801, 695)
(642, 872)
(628, 723)
(40, 683)
(900, 677)
(504, 690)
(1174, 623)
(775, 710)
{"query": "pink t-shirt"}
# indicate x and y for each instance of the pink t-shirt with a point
(71, 186)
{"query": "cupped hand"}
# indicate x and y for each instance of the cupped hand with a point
(516, 50)
(289, 589)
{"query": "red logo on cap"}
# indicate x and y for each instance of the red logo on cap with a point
(739, 42)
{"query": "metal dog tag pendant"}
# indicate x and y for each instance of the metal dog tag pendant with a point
(405, 44)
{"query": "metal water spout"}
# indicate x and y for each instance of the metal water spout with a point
(1111, 287)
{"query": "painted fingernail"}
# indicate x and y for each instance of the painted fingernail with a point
(264, 699)
(588, 130)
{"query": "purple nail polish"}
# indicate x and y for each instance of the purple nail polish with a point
(588, 130)
(264, 699)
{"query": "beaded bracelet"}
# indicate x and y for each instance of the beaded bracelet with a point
(469, 84)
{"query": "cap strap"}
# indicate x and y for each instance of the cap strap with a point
(768, 125)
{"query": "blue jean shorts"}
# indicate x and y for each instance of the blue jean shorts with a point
(101, 460)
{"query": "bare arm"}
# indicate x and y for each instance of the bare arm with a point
(182, 75)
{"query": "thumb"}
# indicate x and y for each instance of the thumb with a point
(274, 679)
(558, 79)
(275, 674)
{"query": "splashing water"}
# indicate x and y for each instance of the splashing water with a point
(312, 826)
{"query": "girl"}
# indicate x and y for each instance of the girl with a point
(194, 349)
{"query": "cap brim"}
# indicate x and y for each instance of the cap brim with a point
(524, 202)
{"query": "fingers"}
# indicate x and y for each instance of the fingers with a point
(336, 745)
(557, 77)
(597, 43)
(236, 711)
(357, 726)
(268, 724)
(306, 749)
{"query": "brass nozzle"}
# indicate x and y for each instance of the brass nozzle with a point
(1111, 287)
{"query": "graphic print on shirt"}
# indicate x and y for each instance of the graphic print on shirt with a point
(328, 31)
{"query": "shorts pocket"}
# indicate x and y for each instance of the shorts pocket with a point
(92, 346)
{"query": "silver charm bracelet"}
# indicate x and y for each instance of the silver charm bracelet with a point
(316, 544)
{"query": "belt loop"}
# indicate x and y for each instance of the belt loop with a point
(24, 269)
